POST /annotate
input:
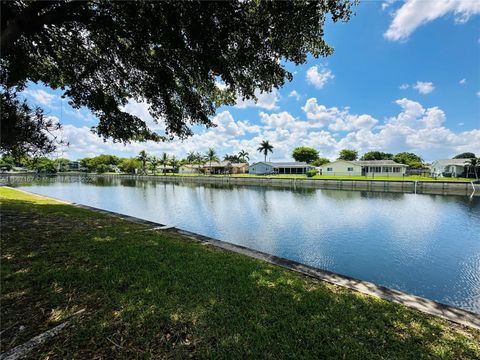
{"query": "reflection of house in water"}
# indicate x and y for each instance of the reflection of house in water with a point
(360, 194)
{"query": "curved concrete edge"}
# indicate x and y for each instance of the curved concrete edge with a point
(427, 306)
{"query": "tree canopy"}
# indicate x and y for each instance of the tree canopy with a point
(320, 161)
(410, 159)
(376, 155)
(305, 154)
(465, 155)
(348, 155)
(101, 163)
(170, 55)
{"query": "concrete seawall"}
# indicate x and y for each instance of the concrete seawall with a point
(419, 187)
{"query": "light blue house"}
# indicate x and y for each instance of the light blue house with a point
(281, 168)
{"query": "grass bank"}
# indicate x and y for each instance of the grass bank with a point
(157, 295)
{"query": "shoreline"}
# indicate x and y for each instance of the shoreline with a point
(447, 312)
(434, 187)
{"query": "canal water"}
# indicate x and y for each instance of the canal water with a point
(428, 245)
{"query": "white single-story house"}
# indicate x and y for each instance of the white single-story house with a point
(363, 168)
(453, 167)
(281, 168)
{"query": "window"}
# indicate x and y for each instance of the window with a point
(350, 169)
(329, 169)
(396, 169)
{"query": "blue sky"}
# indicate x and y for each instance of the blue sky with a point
(405, 76)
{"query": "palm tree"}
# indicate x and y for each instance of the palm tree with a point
(154, 162)
(164, 161)
(243, 155)
(473, 163)
(199, 160)
(192, 157)
(211, 156)
(143, 158)
(264, 148)
(232, 158)
(174, 163)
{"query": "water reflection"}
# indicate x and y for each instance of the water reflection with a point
(424, 244)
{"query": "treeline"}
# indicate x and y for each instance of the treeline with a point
(144, 163)
(414, 161)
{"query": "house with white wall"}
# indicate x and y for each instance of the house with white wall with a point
(363, 168)
(454, 167)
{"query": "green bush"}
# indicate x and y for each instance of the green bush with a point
(311, 173)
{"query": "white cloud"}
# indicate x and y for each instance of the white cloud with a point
(265, 100)
(463, 81)
(279, 120)
(349, 122)
(404, 87)
(478, 93)
(295, 95)
(424, 87)
(41, 96)
(414, 128)
(386, 4)
(319, 114)
(414, 13)
(318, 76)
(415, 116)
(336, 119)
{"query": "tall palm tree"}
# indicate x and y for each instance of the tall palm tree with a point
(243, 156)
(154, 162)
(143, 158)
(265, 147)
(192, 157)
(211, 156)
(199, 160)
(174, 163)
(473, 163)
(164, 161)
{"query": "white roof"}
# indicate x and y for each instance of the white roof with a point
(446, 162)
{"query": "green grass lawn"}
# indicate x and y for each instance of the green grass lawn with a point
(158, 295)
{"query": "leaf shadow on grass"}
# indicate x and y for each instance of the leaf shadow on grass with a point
(151, 294)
